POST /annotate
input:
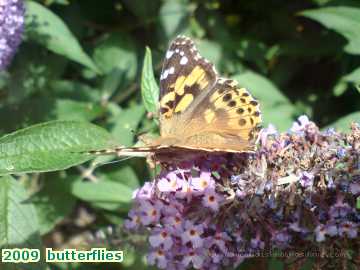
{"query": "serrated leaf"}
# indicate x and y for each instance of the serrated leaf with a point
(344, 20)
(149, 87)
(18, 222)
(343, 124)
(45, 27)
(50, 146)
(275, 107)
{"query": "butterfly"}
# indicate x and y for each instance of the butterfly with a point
(198, 110)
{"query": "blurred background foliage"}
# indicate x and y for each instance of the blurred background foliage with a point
(82, 60)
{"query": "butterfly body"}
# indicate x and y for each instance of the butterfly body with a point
(199, 112)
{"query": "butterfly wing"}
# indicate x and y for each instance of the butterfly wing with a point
(199, 110)
(227, 119)
(184, 78)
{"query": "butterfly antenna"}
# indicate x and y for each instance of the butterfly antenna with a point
(111, 162)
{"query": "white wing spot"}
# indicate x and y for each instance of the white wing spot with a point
(164, 74)
(182, 53)
(171, 70)
(183, 60)
(169, 53)
(177, 50)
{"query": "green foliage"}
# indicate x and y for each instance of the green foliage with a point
(50, 146)
(344, 20)
(81, 81)
(149, 87)
(47, 28)
(19, 225)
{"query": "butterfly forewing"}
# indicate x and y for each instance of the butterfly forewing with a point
(185, 75)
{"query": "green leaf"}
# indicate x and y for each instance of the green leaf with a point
(344, 123)
(32, 72)
(149, 87)
(344, 20)
(54, 201)
(275, 107)
(353, 77)
(45, 27)
(37, 110)
(104, 191)
(172, 16)
(211, 50)
(74, 110)
(75, 90)
(18, 222)
(358, 202)
(144, 10)
(50, 146)
(340, 88)
(125, 122)
(125, 175)
(117, 51)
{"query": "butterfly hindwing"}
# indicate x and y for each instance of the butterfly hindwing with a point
(185, 75)
(226, 119)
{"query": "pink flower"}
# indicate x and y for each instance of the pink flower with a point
(161, 237)
(150, 213)
(144, 192)
(203, 181)
(349, 229)
(265, 132)
(157, 257)
(194, 257)
(192, 234)
(300, 124)
(211, 199)
(134, 220)
(320, 232)
(169, 184)
(219, 240)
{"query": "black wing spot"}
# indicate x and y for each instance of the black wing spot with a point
(227, 97)
(232, 103)
(240, 111)
(242, 122)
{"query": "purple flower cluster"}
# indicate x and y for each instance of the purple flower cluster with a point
(296, 193)
(11, 29)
